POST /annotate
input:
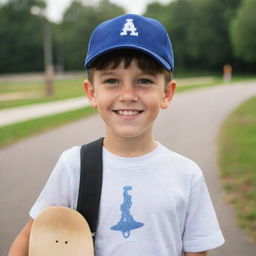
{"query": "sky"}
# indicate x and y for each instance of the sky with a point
(57, 7)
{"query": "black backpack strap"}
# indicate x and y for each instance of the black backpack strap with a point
(90, 182)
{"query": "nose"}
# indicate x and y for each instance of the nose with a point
(128, 93)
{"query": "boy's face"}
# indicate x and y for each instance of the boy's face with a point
(128, 99)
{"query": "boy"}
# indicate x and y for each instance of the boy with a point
(159, 196)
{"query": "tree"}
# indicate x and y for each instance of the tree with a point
(175, 16)
(21, 33)
(243, 31)
(208, 38)
(199, 30)
(78, 23)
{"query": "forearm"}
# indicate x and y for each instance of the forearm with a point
(20, 244)
(195, 253)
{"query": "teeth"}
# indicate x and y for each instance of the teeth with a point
(128, 112)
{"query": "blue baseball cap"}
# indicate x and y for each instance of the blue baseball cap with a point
(131, 31)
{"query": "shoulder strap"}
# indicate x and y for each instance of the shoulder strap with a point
(90, 182)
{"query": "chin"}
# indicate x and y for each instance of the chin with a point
(127, 135)
(131, 134)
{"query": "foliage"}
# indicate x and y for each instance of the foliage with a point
(175, 24)
(199, 30)
(21, 33)
(78, 22)
(202, 31)
(207, 35)
(243, 31)
(237, 162)
(21, 44)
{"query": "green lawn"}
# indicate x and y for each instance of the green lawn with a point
(15, 132)
(70, 88)
(237, 158)
(65, 88)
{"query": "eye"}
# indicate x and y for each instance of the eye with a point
(144, 82)
(111, 81)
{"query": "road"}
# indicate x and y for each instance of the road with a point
(190, 126)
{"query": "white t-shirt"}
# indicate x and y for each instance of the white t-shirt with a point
(156, 204)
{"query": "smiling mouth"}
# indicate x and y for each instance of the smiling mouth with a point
(128, 112)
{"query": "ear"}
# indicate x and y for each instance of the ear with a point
(90, 92)
(168, 94)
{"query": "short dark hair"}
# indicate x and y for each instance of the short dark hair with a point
(114, 58)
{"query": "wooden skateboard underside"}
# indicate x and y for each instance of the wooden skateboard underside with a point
(60, 231)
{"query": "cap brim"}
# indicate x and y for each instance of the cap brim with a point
(157, 57)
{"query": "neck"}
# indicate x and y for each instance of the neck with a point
(129, 147)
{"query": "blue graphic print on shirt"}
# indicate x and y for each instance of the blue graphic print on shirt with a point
(126, 223)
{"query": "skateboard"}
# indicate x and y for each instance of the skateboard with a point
(60, 231)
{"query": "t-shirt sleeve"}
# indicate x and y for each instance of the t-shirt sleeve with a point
(202, 231)
(59, 189)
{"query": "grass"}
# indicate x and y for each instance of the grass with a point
(216, 81)
(65, 88)
(18, 131)
(237, 158)
(70, 88)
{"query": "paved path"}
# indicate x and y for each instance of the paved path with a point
(23, 113)
(190, 127)
(14, 115)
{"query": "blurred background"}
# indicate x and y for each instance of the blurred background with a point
(43, 44)
(206, 34)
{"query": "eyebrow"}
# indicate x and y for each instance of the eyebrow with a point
(108, 72)
(112, 72)
(149, 73)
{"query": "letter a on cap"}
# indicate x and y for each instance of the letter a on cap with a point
(129, 27)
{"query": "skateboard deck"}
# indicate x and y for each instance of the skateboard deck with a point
(60, 231)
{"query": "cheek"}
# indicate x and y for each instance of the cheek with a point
(153, 106)
(103, 101)
(153, 101)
